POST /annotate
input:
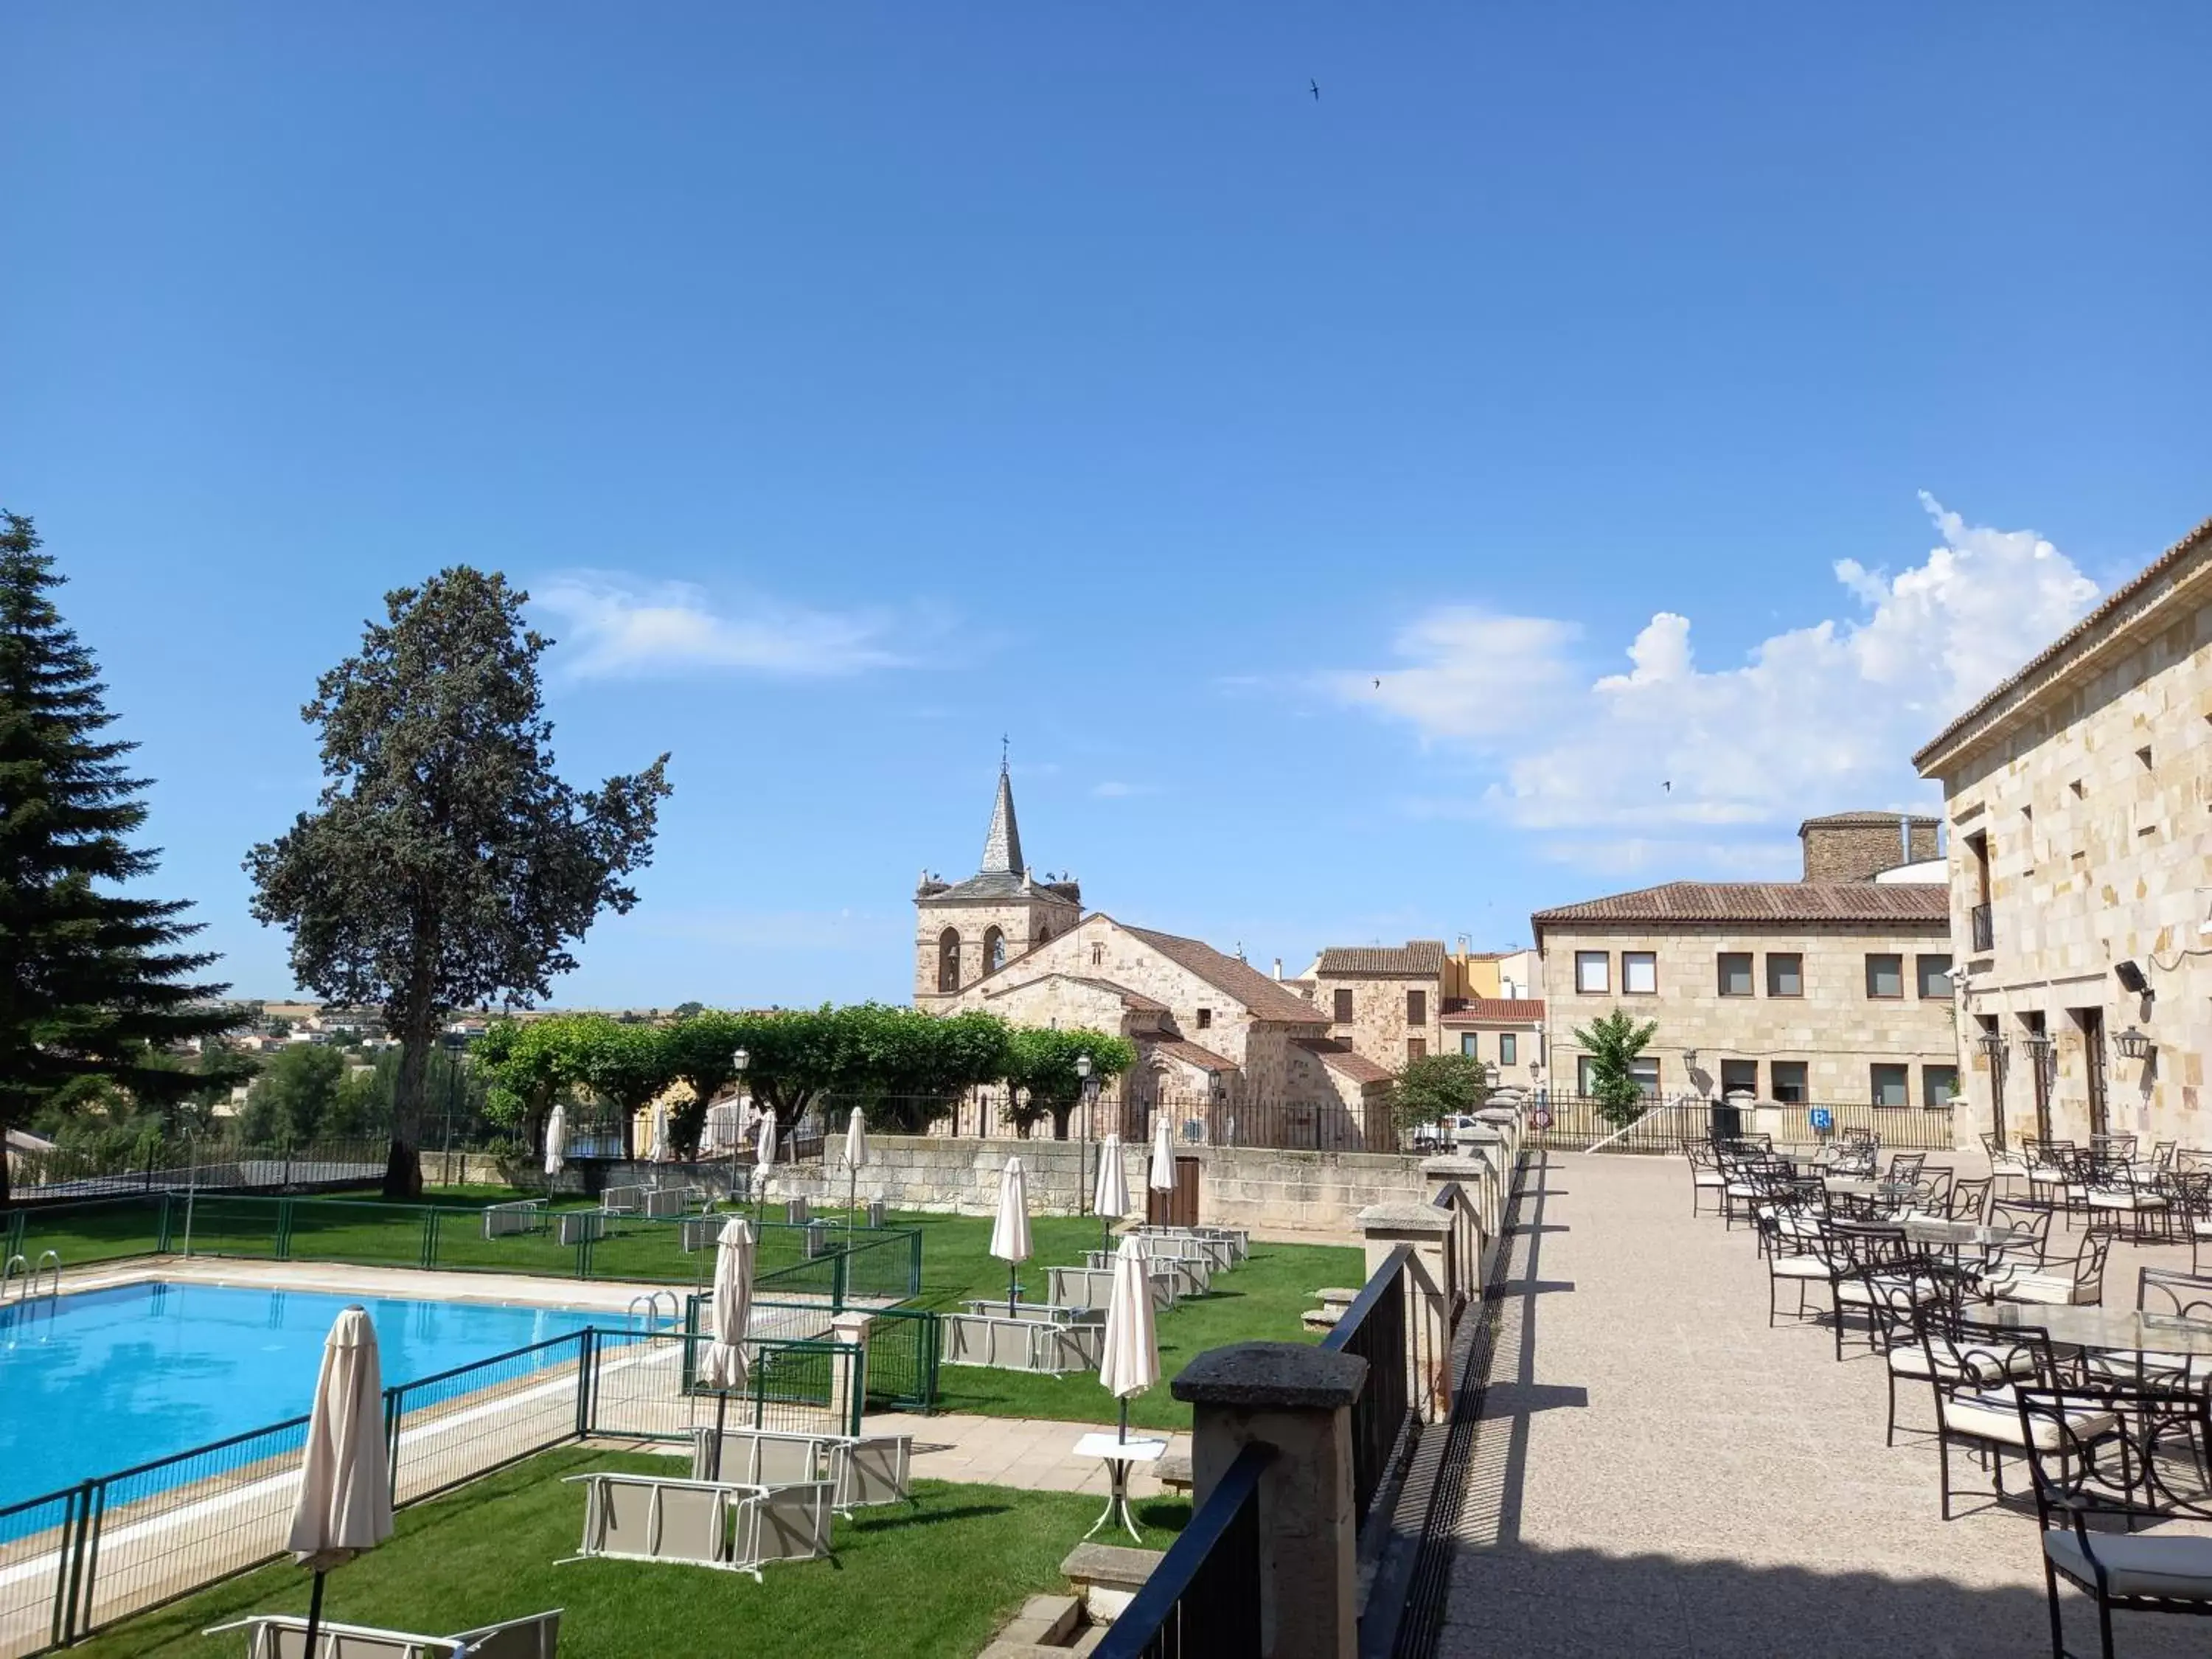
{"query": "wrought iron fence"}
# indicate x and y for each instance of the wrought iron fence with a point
(75, 1561)
(65, 1172)
(1575, 1123)
(1376, 1326)
(1203, 1600)
(830, 1261)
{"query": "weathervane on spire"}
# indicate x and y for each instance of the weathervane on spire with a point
(1005, 745)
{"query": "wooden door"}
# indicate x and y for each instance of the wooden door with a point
(1178, 1207)
(2039, 1069)
(2092, 1021)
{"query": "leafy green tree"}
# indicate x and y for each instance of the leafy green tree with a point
(627, 1064)
(291, 1101)
(1613, 1044)
(527, 1066)
(1436, 1086)
(690, 1010)
(701, 1045)
(445, 863)
(93, 981)
(1042, 1061)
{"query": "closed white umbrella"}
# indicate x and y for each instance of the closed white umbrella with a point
(1161, 1176)
(1130, 1363)
(722, 1360)
(856, 1154)
(658, 1152)
(763, 1156)
(556, 1146)
(1111, 1197)
(1010, 1232)
(720, 1130)
(345, 1484)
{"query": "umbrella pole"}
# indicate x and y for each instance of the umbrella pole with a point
(852, 1198)
(721, 1415)
(314, 1615)
(1013, 1287)
(1124, 1403)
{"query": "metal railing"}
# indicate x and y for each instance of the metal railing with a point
(75, 1561)
(66, 1172)
(833, 1262)
(1203, 1600)
(1376, 1328)
(1577, 1123)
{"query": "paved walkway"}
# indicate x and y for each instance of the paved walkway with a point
(1031, 1452)
(1656, 1472)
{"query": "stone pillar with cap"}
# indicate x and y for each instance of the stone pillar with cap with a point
(1473, 1216)
(1429, 1294)
(1298, 1400)
(848, 1384)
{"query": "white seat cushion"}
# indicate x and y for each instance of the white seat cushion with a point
(1995, 1415)
(2099, 1198)
(1798, 1266)
(1707, 1178)
(1741, 1189)
(1854, 1290)
(2201, 1229)
(2047, 1288)
(1913, 1361)
(2138, 1563)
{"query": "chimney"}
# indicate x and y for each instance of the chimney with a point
(1904, 837)
(1278, 970)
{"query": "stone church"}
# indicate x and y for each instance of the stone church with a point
(1237, 1056)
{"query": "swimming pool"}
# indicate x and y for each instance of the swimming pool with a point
(105, 1380)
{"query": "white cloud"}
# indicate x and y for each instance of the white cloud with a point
(1669, 760)
(612, 626)
(1114, 789)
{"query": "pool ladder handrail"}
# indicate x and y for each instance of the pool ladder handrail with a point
(15, 1264)
(54, 1290)
(651, 1303)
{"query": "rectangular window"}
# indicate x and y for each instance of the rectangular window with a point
(1417, 1008)
(1639, 972)
(1739, 1077)
(1470, 1044)
(1785, 974)
(1343, 1007)
(1934, 974)
(1886, 976)
(1788, 1081)
(1593, 972)
(1417, 1047)
(1736, 973)
(1885, 1085)
(1646, 1073)
(1205, 1018)
(1938, 1085)
(1584, 1082)
(1508, 1046)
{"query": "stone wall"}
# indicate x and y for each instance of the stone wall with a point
(2085, 821)
(1834, 1029)
(1379, 1027)
(1859, 852)
(1259, 1188)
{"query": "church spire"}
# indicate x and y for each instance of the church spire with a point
(1002, 844)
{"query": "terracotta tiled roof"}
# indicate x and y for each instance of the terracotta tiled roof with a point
(1423, 957)
(1498, 1010)
(1241, 980)
(1189, 1053)
(2195, 544)
(1764, 902)
(1342, 1058)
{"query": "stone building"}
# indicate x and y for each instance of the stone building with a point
(1815, 991)
(2078, 796)
(1232, 1053)
(1396, 1003)
(1865, 846)
(1504, 1032)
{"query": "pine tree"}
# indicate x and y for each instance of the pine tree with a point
(92, 981)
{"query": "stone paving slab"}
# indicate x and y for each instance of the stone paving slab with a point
(1657, 1472)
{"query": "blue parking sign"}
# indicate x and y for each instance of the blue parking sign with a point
(1823, 1119)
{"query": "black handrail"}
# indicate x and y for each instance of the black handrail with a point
(1202, 1602)
(1375, 1329)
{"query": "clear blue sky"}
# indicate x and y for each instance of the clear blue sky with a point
(867, 381)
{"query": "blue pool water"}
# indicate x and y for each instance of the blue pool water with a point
(107, 1380)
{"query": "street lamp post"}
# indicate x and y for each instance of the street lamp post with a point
(739, 1060)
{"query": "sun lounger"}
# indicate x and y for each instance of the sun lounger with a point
(1046, 1346)
(284, 1636)
(521, 1215)
(1093, 1287)
(863, 1470)
(702, 1523)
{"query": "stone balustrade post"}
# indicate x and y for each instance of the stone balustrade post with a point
(1298, 1400)
(1382, 1228)
(1474, 1180)
(849, 1385)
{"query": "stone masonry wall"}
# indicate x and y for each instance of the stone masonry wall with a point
(1858, 852)
(2097, 818)
(1379, 1027)
(1835, 1028)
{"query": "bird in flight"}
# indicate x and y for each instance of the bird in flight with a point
(1378, 686)
(1314, 86)
(1669, 786)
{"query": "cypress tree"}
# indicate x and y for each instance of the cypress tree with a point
(93, 981)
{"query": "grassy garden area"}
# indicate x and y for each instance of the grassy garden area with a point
(934, 1579)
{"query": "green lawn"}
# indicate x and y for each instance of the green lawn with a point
(1260, 1300)
(929, 1581)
